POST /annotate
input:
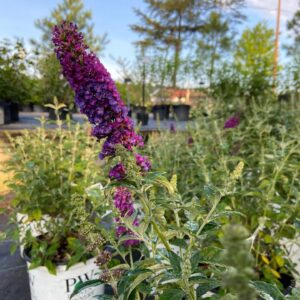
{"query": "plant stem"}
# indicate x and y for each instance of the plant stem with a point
(209, 215)
(161, 236)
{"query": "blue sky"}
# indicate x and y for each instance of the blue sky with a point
(114, 16)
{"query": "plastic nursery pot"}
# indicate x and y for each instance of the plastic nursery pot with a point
(6, 111)
(14, 112)
(45, 286)
(161, 112)
(181, 112)
(142, 117)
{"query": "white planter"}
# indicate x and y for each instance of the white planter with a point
(44, 286)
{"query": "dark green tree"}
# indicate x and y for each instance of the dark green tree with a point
(52, 84)
(174, 23)
(16, 85)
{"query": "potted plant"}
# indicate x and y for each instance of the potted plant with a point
(142, 116)
(181, 112)
(53, 171)
(161, 112)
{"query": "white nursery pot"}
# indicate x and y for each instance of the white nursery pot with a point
(45, 286)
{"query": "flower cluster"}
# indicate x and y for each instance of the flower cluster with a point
(123, 202)
(232, 122)
(95, 92)
(143, 162)
(118, 172)
(103, 258)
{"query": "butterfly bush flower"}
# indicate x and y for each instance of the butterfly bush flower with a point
(123, 202)
(97, 97)
(143, 162)
(118, 172)
(95, 92)
(232, 122)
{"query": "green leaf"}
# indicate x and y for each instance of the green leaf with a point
(36, 214)
(80, 286)
(174, 294)
(131, 280)
(51, 267)
(209, 191)
(267, 290)
(206, 285)
(288, 231)
(104, 297)
(175, 262)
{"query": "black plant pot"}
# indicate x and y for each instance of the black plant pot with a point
(6, 106)
(181, 112)
(14, 112)
(27, 108)
(62, 114)
(142, 117)
(288, 281)
(161, 112)
(139, 109)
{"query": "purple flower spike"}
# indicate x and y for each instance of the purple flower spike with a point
(232, 122)
(143, 162)
(123, 202)
(95, 92)
(118, 172)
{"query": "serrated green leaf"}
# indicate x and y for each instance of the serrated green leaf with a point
(268, 291)
(206, 285)
(175, 262)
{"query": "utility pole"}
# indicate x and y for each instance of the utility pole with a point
(276, 50)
